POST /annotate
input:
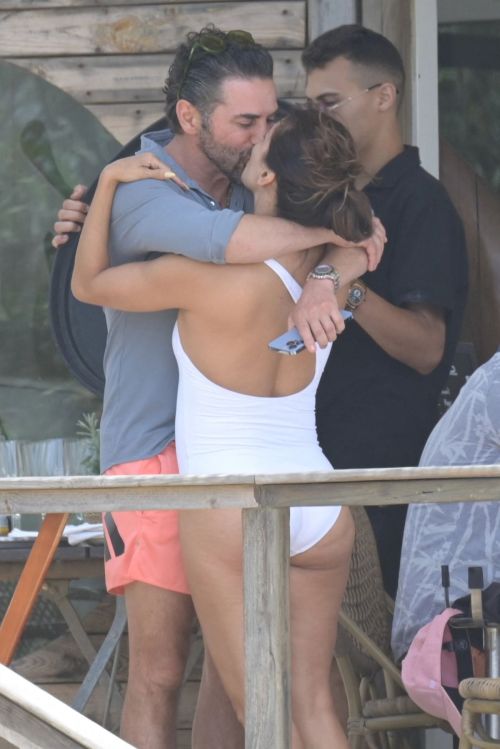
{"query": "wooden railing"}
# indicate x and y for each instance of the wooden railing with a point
(265, 501)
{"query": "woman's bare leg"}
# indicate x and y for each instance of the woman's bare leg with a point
(212, 551)
(212, 548)
(317, 582)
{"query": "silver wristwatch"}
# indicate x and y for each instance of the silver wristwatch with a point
(326, 271)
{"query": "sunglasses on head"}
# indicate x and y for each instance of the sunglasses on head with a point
(213, 44)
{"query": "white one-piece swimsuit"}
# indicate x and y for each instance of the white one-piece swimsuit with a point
(222, 431)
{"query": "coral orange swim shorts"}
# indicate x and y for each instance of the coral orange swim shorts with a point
(144, 546)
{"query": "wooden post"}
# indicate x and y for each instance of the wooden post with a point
(266, 543)
(323, 15)
(393, 19)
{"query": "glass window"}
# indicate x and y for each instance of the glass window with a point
(469, 84)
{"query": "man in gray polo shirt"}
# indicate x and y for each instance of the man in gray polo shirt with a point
(220, 101)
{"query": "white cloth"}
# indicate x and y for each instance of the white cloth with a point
(222, 431)
(460, 535)
(76, 534)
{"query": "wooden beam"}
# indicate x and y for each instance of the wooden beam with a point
(40, 720)
(20, 728)
(372, 14)
(144, 29)
(393, 19)
(380, 493)
(424, 88)
(351, 487)
(16, 5)
(266, 544)
(114, 499)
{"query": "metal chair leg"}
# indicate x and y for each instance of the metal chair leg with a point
(111, 685)
(104, 654)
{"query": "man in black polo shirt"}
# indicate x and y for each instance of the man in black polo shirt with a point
(377, 400)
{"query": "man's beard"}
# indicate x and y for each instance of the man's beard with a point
(229, 161)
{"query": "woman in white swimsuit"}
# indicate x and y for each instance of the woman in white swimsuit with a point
(242, 408)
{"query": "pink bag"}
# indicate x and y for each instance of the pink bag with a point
(428, 668)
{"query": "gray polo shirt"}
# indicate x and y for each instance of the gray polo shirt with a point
(139, 364)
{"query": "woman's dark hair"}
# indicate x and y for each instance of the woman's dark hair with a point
(315, 163)
(196, 75)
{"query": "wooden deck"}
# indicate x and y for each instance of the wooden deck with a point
(59, 667)
(265, 501)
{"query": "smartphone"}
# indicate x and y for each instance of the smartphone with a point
(291, 342)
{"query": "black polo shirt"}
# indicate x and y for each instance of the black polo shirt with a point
(372, 410)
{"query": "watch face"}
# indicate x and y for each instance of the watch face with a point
(356, 295)
(323, 269)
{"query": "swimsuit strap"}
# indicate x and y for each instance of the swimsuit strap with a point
(293, 287)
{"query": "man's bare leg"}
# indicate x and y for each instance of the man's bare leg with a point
(159, 628)
(215, 724)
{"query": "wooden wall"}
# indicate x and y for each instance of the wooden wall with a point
(479, 209)
(113, 56)
(394, 19)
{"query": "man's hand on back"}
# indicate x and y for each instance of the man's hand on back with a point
(70, 216)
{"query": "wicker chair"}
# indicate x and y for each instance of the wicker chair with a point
(379, 708)
(481, 697)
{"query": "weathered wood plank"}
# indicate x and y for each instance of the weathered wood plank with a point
(66, 690)
(61, 662)
(68, 483)
(137, 78)
(61, 719)
(94, 708)
(394, 19)
(380, 493)
(323, 15)
(372, 14)
(119, 499)
(59, 483)
(60, 570)
(367, 486)
(16, 5)
(59, 667)
(144, 29)
(124, 121)
(266, 544)
(23, 729)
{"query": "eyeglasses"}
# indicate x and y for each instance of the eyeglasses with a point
(214, 44)
(333, 107)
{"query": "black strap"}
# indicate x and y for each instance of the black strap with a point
(115, 538)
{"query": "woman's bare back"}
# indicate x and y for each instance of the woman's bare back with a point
(227, 335)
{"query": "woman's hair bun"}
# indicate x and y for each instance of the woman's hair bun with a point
(316, 167)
